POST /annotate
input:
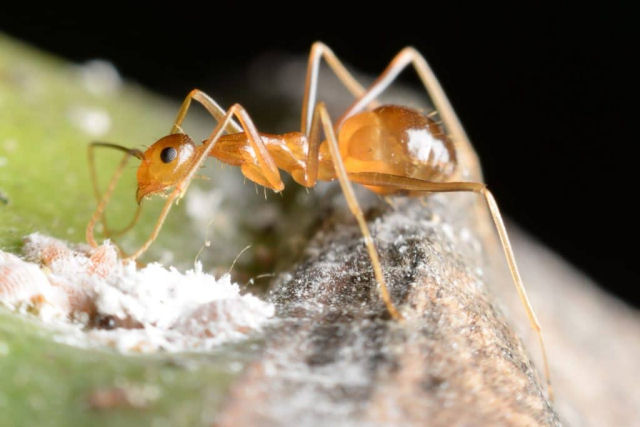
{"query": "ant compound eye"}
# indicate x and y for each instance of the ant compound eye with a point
(168, 154)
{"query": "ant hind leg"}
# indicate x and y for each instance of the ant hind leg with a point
(417, 185)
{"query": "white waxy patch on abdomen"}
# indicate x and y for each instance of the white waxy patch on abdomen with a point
(425, 147)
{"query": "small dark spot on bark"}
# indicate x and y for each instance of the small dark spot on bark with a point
(350, 393)
(326, 341)
(405, 259)
(431, 383)
(376, 334)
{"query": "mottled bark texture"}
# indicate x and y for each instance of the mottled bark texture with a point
(337, 358)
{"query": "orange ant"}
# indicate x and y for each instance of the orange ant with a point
(389, 149)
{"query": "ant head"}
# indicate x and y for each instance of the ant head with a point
(165, 164)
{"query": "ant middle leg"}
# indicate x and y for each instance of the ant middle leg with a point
(321, 119)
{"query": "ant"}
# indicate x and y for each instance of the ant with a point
(389, 149)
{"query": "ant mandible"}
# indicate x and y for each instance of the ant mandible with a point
(388, 149)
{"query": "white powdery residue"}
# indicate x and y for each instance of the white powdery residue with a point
(93, 121)
(100, 77)
(141, 340)
(108, 302)
(203, 206)
(422, 145)
(448, 231)
(468, 237)
(159, 296)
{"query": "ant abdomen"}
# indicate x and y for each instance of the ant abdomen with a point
(396, 140)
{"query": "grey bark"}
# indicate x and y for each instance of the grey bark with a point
(336, 358)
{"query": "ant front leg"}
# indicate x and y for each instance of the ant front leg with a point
(103, 199)
(411, 184)
(410, 56)
(321, 118)
(265, 162)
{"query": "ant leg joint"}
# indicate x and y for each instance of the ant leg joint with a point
(318, 45)
(410, 50)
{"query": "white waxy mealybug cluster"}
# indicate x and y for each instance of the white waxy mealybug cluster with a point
(98, 299)
(24, 287)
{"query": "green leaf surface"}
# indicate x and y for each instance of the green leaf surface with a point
(46, 108)
(46, 383)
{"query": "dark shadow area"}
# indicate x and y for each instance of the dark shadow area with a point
(545, 96)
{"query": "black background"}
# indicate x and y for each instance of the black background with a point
(545, 94)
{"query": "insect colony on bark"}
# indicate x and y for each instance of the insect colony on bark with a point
(389, 149)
